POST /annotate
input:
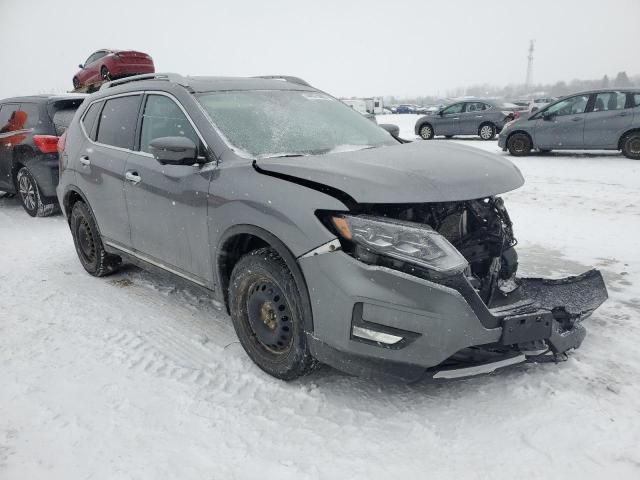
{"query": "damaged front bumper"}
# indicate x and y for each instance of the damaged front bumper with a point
(378, 322)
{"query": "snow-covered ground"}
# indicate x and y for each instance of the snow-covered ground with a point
(136, 377)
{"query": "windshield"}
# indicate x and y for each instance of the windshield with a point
(271, 123)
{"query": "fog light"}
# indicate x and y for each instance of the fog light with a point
(374, 336)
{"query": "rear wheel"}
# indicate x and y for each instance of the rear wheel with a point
(76, 83)
(487, 131)
(426, 132)
(631, 146)
(266, 310)
(30, 197)
(88, 243)
(104, 73)
(519, 144)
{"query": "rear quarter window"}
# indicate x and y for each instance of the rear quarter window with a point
(118, 120)
(32, 111)
(89, 119)
(636, 99)
(62, 119)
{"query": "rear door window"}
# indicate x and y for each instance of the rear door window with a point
(118, 121)
(89, 119)
(476, 107)
(609, 101)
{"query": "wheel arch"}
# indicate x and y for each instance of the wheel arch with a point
(239, 240)
(73, 194)
(623, 136)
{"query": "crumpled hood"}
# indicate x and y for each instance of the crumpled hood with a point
(417, 172)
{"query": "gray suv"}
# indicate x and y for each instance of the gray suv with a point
(328, 239)
(474, 117)
(602, 120)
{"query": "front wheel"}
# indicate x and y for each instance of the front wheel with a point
(267, 314)
(487, 131)
(32, 201)
(76, 83)
(519, 144)
(88, 243)
(631, 146)
(426, 132)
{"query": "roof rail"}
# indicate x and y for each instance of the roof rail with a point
(169, 77)
(286, 78)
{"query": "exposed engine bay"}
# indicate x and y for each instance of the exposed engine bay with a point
(482, 232)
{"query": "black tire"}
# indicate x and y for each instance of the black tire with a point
(448, 136)
(519, 145)
(426, 131)
(631, 145)
(105, 75)
(89, 247)
(31, 198)
(487, 131)
(267, 314)
(76, 83)
(7, 195)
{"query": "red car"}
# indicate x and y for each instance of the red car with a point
(105, 65)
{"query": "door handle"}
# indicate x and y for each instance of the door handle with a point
(622, 114)
(576, 119)
(455, 118)
(133, 177)
(84, 161)
(478, 116)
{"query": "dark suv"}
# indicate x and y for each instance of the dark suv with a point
(29, 132)
(327, 238)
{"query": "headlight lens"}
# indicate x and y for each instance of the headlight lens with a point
(412, 242)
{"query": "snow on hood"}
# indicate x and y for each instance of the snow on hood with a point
(424, 171)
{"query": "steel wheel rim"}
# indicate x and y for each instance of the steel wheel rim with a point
(634, 146)
(269, 317)
(518, 145)
(27, 192)
(86, 241)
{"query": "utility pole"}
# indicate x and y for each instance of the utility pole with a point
(529, 80)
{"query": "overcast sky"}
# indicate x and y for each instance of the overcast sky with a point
(348, 48)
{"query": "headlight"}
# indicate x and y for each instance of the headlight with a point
(412, 242)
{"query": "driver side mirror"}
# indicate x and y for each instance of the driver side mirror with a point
(547, 116)
(394, 130)
(81, 66)
(441, 112)
(174, 150)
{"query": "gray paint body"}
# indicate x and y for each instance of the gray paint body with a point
(589, 130)
(465, 122)
(178, 217)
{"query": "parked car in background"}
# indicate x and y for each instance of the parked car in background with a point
(29, 131)
(471, 117)
(603, 119)
(105, 65)
(405, 108)
(327, 239)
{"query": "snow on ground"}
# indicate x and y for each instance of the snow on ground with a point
(136, 377)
